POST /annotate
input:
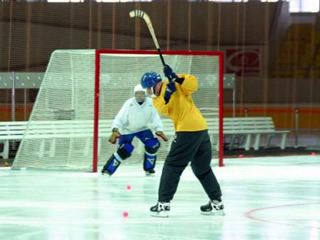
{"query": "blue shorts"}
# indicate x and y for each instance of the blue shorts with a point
(144, 136)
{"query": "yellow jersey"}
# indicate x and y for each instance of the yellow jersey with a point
(181, 109)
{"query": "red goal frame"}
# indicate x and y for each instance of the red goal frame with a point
(97, 92)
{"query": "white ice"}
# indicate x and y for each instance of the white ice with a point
(265, 198)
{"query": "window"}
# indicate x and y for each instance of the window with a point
(228, 0)
(304, 5)
(123, 0)
(294, 5)
(60, 1)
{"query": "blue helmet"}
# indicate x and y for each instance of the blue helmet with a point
(150, 79)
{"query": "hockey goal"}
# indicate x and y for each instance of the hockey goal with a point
(83, 90)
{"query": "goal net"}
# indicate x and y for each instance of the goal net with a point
(83, 90)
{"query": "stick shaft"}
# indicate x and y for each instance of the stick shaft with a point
(161, 57)
(146, 18)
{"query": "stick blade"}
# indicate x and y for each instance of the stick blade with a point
(136, 13)
(132, 13)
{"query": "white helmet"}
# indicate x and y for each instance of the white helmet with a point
(139, 88)
(141, 97)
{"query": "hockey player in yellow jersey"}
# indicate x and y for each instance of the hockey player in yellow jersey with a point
(173, 99)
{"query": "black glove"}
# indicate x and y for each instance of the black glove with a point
(170, 89)
(168, 72)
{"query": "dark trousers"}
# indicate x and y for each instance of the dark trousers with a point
(194, 147)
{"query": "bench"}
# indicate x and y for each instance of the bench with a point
(10, 132)
(50, 131)
(248, 128)
(253, 127)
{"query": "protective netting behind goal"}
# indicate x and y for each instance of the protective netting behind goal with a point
(60, 132)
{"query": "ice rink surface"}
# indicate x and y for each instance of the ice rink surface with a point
(265, 198)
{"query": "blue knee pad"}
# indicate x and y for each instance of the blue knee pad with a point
(123, 152)
(150, 156)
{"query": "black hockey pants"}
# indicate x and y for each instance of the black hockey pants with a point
(186, 147)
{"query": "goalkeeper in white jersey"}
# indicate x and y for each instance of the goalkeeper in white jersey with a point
(133, 120)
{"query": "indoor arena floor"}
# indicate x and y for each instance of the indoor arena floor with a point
(265, 198)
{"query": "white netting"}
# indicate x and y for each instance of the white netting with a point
(60, 130)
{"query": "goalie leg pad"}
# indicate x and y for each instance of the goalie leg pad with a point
(150, 156)
(111, 166)
(149, 161)
(123, 152)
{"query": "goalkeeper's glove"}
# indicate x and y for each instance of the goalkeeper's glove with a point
(161, 134)
(114, 136)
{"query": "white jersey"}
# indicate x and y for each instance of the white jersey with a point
(134, 117)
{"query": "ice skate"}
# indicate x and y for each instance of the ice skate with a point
(150, 172)
(105, 171)
(213, 208)
(161, 209)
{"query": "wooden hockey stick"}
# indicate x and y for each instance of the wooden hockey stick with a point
(146, 18)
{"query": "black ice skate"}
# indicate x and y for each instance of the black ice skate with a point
(160, 210)
(150, 172)
(213, 208)
(105, 171)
